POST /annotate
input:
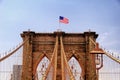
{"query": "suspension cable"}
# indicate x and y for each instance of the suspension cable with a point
(11, 53)
(106, 53)
(112, 57)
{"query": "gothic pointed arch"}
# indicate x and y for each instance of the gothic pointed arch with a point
(40, 58)
(79, 63)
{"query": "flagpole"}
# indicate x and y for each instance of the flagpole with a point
(59, 25)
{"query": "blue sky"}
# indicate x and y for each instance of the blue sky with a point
(102, 16)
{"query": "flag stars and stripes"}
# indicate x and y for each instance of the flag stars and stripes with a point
(63, 20)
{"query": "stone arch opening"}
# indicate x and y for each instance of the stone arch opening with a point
(41, 68)
(75, 67)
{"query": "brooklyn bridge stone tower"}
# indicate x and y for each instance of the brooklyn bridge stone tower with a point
(58, 47)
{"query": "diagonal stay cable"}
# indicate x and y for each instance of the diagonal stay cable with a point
(54, 56)
(65, 60)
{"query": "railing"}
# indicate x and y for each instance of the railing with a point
(110, 69)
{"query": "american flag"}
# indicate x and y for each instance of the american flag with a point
(63, 20)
